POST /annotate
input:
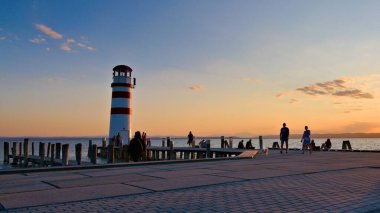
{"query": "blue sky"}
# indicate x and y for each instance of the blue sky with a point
(211, 66)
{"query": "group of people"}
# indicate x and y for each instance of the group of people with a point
(307, 143)
(137, 145)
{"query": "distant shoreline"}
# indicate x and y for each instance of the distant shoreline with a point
(293, 136)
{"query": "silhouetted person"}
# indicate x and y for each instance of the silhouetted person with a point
(135, 148)
(284, 137)
(248, 145)
(312, 145)
(241, 145)
(326, 146)
(118, 139)
(306, 140)
(190, 138)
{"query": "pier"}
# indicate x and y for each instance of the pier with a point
(293, 182)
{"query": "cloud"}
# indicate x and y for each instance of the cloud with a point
(38, 40)
(293, 101)
(47, 49)
(335, 88)
(66, 46)
(84, 46)
(198, 88)
(48, 31)
(354, 93)
(2, 38)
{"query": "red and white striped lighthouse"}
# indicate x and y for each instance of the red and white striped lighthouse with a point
(121, 106)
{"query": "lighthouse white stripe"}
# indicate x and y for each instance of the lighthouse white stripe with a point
(120, 102)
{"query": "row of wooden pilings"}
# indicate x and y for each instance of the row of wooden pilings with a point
(112, 153)
(22, 157)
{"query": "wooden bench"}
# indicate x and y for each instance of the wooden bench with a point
(248, 154)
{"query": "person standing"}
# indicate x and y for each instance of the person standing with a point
(135, 148)
(190, 138)
(284, 137)
(306, 140)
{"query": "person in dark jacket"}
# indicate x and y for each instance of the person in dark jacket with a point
(135, 148)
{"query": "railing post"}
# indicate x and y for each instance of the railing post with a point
(26, 151)
(52, 151)
(94, 155)
(126, 154)
(65, 154)
(104, 148)
(58, 150)
(89, 148)
(261, 142)
(110, 154)
(171, 152)
(41, 153)
(208, 147)
(6, 153)
(14, 151)
(78, 153)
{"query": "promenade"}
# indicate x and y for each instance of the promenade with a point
(293, 182)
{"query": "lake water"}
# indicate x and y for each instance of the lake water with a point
(356, 143)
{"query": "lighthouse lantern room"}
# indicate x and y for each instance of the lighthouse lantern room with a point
(122, 85)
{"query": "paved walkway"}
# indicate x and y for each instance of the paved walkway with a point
(321, 182)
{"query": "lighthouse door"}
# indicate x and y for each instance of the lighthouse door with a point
(125, 136)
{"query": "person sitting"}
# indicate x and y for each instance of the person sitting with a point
(248, 145)
(202, 143)
(241, 145)
(326, 146)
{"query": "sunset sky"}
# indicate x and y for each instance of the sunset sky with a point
(214, 67)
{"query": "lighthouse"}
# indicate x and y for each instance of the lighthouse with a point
(121, 107)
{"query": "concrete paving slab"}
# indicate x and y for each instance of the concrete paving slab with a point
(23, 187)
(181, 173)
(183, 182)
(116, 171)
(65, 195)
(97, 181)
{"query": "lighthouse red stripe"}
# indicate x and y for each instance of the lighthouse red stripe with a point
(120, 85)
(120, 110)
(121, 94)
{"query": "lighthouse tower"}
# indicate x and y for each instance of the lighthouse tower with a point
(122, 85)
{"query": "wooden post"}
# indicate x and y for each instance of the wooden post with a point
(48, 150)
(104, 148)
(32, 148)
(157, 153)
(89, 148)
(231, 143)
(14, 151)
(261, 142)
(125, 150)
(41, 153)
(20, 153)
(58, 150)
(208, 148)
(6, 153)
(111, 154)
(78, 153)
(26, 151)
(65, 154)
(94, 155)
(186, 155)
(171, 152)
(52, 152)
(222, 142)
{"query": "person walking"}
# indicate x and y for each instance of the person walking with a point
(284, 137)
(306, 140)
